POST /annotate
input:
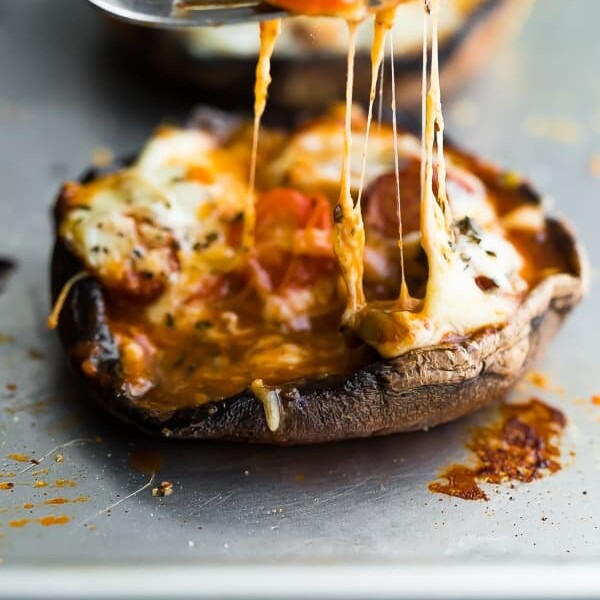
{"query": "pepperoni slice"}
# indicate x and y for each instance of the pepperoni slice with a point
(379, 205)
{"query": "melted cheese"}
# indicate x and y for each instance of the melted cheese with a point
(454, 302)
(148, 220)
(52, 321)
(349, 233)
(406, 302)
(384, 20)
(449, 289)
(162, 221)
(186, 188)
(163, 230)
(269, 32)
(271, 402)
(350, 10)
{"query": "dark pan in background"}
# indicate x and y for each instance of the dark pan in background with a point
(312, 78)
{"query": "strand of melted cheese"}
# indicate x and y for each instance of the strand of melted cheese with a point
(433, 111)
(383, 23)
(269, 32)
(349, 232)
(380, 107)
(52, 321)
(424, 90)
(436, 219)
(404, 297)
(438, 117)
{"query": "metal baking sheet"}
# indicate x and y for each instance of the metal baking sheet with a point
(347, 520)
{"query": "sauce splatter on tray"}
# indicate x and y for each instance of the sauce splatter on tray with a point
(47, 521)
(77, 500)
(64, 483)
(521, 447)
(18, 457)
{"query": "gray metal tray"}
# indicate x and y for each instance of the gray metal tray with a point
(347, 520)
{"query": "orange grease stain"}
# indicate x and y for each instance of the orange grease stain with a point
(521, 447)
(18, 457)
(6, 485)
(40, 472)
(47, 521)
(78, 500)
(19, 523)
(63, 483)
(543, 382)
(596, 400)
(52, 520)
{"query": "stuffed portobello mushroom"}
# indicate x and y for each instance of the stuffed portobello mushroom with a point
(193, 308)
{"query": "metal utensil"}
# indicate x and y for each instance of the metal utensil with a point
(194, 13)
(188, 13)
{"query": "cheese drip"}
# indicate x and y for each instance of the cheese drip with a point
(349, 232)
(383, 24)
(271, 403)
(435, 217)
(384, 21)
(453, 303)
(404, 299)
(424, 90)
(52, 321)
(269, 32)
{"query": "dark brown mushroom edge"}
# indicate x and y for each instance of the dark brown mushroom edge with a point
(309, 62)
(179, 362)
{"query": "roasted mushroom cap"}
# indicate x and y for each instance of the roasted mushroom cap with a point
(420, 389)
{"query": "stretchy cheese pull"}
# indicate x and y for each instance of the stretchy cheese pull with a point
(269, 32)
(349, 233)
(384, 21)
(404, 299)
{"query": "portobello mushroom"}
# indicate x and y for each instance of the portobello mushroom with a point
(309, 62)
(188, 382)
